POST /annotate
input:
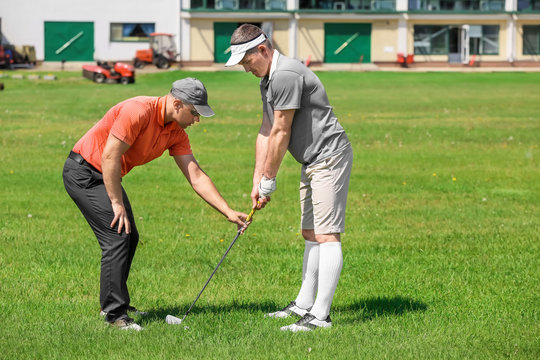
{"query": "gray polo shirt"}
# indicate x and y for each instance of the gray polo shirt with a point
(316, 133)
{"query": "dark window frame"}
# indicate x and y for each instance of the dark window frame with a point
(527, 46)
(151, 27)
(446, 29)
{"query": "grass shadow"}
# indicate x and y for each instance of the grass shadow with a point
(357, 311)
(372, 308)
(159, 314)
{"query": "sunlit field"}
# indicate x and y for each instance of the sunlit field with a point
(441, 251)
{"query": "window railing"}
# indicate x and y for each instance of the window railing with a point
(457, 5)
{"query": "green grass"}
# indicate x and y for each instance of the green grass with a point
(441, 254)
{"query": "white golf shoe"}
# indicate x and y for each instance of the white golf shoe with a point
(307, 323)
(287, 311)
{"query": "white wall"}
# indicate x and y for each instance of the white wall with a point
(23, 21)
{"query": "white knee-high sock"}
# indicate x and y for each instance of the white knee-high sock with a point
(310, 276)
(330, 264)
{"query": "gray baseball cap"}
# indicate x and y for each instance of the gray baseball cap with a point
(192, 91)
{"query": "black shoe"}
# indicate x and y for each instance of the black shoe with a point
(130, 308)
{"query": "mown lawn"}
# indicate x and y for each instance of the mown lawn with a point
(441, 254)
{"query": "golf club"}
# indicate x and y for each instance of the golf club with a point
(173, 320)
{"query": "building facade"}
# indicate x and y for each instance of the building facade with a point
(77, 30)
(496, 32)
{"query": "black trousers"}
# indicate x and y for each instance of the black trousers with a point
(85, 186)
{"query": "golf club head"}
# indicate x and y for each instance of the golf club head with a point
(173, 320)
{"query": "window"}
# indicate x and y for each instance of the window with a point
(531, 39)
(202, 4)
(131, 32)
(458, 5)
(441, 40)
(430, 39)
(489, 43)
(484, 40)
(228, 5)
(528, 5)
(345, 5)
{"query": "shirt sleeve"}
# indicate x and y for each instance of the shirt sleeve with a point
(286, 90)
(130, 118)
(181, 145)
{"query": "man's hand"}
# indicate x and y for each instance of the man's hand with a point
(267, 186)
(239, 219)
(258, 201)
(120, 216)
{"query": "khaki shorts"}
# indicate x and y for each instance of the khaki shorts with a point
(323, 193)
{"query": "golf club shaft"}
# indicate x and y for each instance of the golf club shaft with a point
(220, 261)
(210, 278)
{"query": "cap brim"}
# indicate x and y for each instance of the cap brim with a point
(235, 59)
(204, 110)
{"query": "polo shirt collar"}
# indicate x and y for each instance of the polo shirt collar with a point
(162, 101)
(266, 80)
(275, 58)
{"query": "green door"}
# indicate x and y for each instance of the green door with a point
(347, 43)
(70, 41)
(222, 40)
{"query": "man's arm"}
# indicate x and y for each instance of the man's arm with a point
(205, 188)
(111, 166)
(261, 150)
(278, 142)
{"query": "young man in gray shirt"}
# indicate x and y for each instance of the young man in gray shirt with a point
(297, 117)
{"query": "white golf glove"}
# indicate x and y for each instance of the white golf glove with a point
(267, 186)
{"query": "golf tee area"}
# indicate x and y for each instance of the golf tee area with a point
(440, 255)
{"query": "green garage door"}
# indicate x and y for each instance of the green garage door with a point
(347, 43)
(222, 40)
(70, 41)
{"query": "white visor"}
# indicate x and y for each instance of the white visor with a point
(239, 51)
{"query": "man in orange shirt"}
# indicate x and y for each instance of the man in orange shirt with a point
(133, 133)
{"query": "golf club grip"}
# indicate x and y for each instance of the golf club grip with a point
(250, 215)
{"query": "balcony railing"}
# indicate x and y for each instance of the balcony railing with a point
(281, 5)
(456, 5)
(365, 5)
(351, 5)
(228, 5)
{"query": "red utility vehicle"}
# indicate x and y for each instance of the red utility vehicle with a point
(103, 72)
(162, 52)
(5, 58)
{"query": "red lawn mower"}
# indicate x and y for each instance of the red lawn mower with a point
(104, 73)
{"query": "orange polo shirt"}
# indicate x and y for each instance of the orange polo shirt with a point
(139, 122)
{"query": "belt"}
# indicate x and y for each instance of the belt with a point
(80, 160)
